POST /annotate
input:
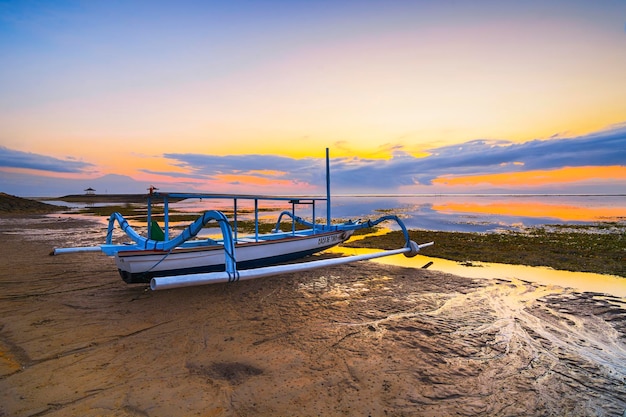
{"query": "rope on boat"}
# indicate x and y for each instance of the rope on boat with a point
(233, 277)
(160, 260)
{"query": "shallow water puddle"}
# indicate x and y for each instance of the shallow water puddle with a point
(581, 281)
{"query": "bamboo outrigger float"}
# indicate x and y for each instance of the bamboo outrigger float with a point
(186, 261)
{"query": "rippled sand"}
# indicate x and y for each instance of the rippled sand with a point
(361, 339)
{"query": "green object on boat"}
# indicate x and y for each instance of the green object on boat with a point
(156, 233)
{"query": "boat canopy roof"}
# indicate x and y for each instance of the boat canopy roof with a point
(292, 199)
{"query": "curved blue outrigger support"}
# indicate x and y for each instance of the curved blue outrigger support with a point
(350, 225)
(143, 243)
(192, 230)
(297, 219)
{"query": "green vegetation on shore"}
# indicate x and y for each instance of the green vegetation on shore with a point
(600, 249)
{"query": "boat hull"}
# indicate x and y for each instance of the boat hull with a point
(142, 266)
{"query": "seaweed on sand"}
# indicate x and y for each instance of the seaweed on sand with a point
(555, 247)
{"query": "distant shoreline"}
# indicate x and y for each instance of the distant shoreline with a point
(134, 196)
(99, 198)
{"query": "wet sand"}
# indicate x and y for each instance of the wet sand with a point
(360, 339)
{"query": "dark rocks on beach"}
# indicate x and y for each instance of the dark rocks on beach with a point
(10, 204)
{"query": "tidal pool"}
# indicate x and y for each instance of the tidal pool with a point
(580, 281)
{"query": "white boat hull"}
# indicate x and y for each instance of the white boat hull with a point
(142, 265)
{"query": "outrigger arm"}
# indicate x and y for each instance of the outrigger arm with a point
(409, 250)
(189, 280)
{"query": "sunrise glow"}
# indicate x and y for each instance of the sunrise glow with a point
(540, 177)
(206, 96)
(537, 208)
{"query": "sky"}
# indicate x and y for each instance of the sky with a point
(245, 96)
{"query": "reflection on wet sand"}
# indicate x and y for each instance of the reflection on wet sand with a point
(580, 281)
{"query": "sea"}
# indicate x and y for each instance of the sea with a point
(481, 213)
(487, 213)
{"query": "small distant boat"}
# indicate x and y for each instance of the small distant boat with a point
(187, 260)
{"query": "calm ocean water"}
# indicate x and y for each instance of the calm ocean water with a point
(487, 213)
(463, 213)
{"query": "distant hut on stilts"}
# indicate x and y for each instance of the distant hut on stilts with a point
(90, 191)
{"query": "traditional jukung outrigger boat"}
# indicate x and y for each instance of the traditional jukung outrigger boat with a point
(187, 260)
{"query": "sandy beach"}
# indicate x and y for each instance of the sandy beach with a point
(363, 339)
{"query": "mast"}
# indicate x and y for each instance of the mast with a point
(327, 188)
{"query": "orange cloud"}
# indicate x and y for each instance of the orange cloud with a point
(540, 177)
(251, 180)
(268, 172)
